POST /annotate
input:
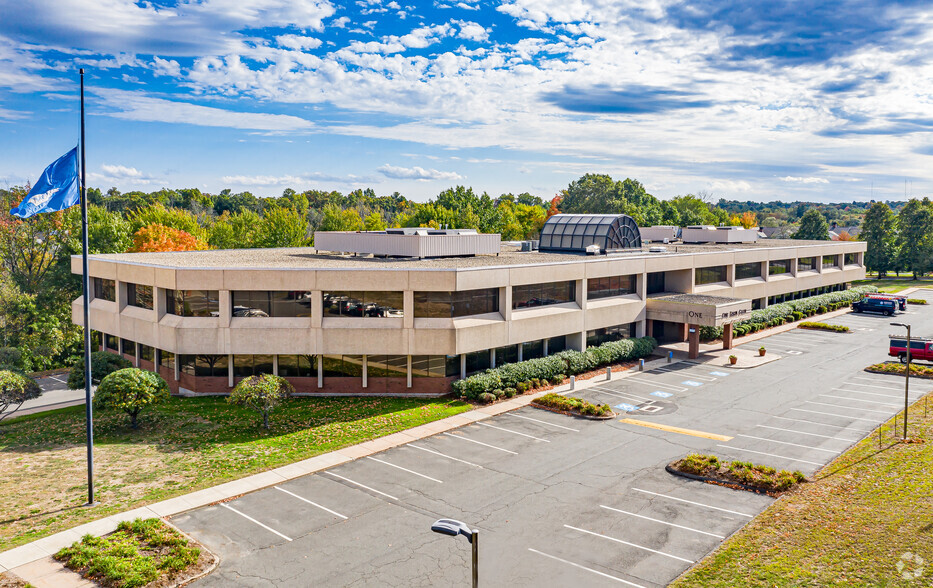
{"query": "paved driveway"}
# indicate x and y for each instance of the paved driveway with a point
(561, 501)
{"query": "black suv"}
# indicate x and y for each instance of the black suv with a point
(875, 305)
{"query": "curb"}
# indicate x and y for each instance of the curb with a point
(670, 469)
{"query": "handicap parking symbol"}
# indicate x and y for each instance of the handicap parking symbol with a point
(691, 383)
(660, 394)
(720, 374)
(626, 407)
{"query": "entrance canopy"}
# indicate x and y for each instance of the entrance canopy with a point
(698, 309)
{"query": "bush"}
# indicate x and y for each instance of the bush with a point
(487, 397)
(569, 404)
(558, 379)
(909, 301)
(103, 363)
(498, 393)
(131, 390)
(261, 393)
(15, 389)
(823, 327)
(510, 392)
(11, 357)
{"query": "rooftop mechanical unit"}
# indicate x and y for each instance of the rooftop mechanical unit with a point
(578, 233)
(418, 243)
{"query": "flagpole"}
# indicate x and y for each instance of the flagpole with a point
(86, 285)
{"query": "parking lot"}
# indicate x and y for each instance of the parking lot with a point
(562, 501)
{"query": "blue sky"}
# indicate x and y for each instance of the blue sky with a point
(799, 100)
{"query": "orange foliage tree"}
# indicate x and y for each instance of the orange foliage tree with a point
(844, 236)
(156, 237)
(748, 219)
(555, 202)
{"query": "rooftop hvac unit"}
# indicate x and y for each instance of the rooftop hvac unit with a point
(658, 249)
(592, 249)
(526, 246)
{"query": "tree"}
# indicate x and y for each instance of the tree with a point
(162, 238)
(748, 220)
(262, 394)
(15, 389)
(374, 222)
(879, 232)
(813, 226)
(336, 219)
(915, 236)
(131, 390)
(103, 363)
(282, 227)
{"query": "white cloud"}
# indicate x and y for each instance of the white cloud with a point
(340, 22)
(121, 174)
(8, 115)
(472, 31)
(165, 67)
(292, 180)
(416, 173)
(297, 42)
(806, 180)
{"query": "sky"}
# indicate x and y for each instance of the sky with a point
(739, 99)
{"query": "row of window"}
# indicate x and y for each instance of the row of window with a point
(805, 293)
(712, 275)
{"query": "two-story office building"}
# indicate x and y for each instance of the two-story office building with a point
(406, 313)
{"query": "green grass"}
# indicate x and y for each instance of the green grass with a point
(181, 446)
(892, 284)
(137, 553)
(849, 527)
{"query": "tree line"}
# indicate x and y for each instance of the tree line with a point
(899, 242)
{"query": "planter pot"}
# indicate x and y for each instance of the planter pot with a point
(761, 352)
(732, 360)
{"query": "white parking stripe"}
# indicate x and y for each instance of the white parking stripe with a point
(689, 374)
(513, 432)
(249, 518)
(355, 483)
(771, 455)
(443, 455)
(872, 385)
(844, 416)
(619, 395)
(885, 412)
(392, 465)
(805, 433)
(741, 514)
(462, 438)
(657, 384)
(59, 380)
(662, 522)
(518, 416)
(870, 401)
(611, 391)
(787, 443)
(690, 561)
(879, 394)
(310, 502)
(814, 422)
(576, 565)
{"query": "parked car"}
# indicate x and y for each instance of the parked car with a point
(901, 300)
(888, 307)
(920, 349)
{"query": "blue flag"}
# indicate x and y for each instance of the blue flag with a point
(56, 189)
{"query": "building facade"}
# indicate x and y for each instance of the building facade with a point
(340, 324)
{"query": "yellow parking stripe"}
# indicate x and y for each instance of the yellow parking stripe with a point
(671, 429)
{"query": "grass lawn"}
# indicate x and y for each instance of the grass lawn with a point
(850, 527)
(182, 445)
(891, 285)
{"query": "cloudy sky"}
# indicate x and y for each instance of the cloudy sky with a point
(809, 100)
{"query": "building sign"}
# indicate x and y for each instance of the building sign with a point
(696, 309)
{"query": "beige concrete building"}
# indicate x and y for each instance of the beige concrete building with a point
(345, 324)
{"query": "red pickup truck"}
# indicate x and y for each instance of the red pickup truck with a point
(920, 349)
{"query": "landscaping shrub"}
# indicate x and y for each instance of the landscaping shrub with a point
(131, 390)
(921, 371)
(262, 394)
(498, 393)
(103, 363)
(909, 301)
(558, 379)
(570, 404)
(510, 392)
(823, 327)
(487, 397)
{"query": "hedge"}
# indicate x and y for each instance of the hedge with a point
(785, 312)
(548, 368)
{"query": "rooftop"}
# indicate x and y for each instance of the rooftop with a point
(308, 258)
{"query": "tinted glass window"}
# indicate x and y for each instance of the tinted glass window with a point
(597, 337)
(532, 295)
(261, 303)
(105, 289)
(532, 350)
(779, 266)
(363, 304)
(851, 259)
(128, 347)
(343, 366)
(610, 286)
(112, 343)
(710, 275)
(744, 271)
(251, 365)
(186, 364)
(435, 366)
(806, 264)
(478, 361)
(192, 302)
(211, 366)
(829, 261)
(167, 359)
(298, 366)
(146, 352)
(139, 295)
(387, 366)
(556, 344)
(456, 304)
(507, 354)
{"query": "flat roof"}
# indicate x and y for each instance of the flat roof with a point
(308, 258)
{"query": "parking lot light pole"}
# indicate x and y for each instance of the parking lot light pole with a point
(454, 528)
(906, 375)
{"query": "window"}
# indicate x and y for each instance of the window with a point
(112, 343)
(806, 264)
(387, 366)
(779, 266)
(851, 259)
(167, 359)
(343, 366)
(830, 261)
(435, 366)
(531, 295)
(610, 286)
(597, 337)
(478, 361)
(532, 349)
(744, 271)
(186, 364)
(655, 284)
(213, 366)
(455, 304)
(145, 352)
(128, 347)
(105, 289)
(251, 365)
(252, 303)
(138, 295)
(192, 302)
(363, 304)
(710, 275)
(556, 344)
(298, 366)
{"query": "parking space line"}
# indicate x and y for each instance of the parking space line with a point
(511, 431)
(59, 380)
(885, 412)
(869, 393)
(805, 433)
(771, 455)
(875, 402)
(444, 455)
(898, 388)
(844, 416)
(576, 565)
(518, 416)
(741, 514)
(311, 502)
(610, 391)
(620, 394)
(462, 438)
(812, 422)
(684, 372)
(355, 483)
(662, 522)
(788, 443)
(249, 518)
(672, 429)
(657, 384)
(392, 465)
(690, 561)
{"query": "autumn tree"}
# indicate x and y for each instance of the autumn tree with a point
(157, 237)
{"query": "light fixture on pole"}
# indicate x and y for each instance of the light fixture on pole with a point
(454, 528)
(906, 375)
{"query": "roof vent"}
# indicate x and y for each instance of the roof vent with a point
(592, 249)
(657, 249)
